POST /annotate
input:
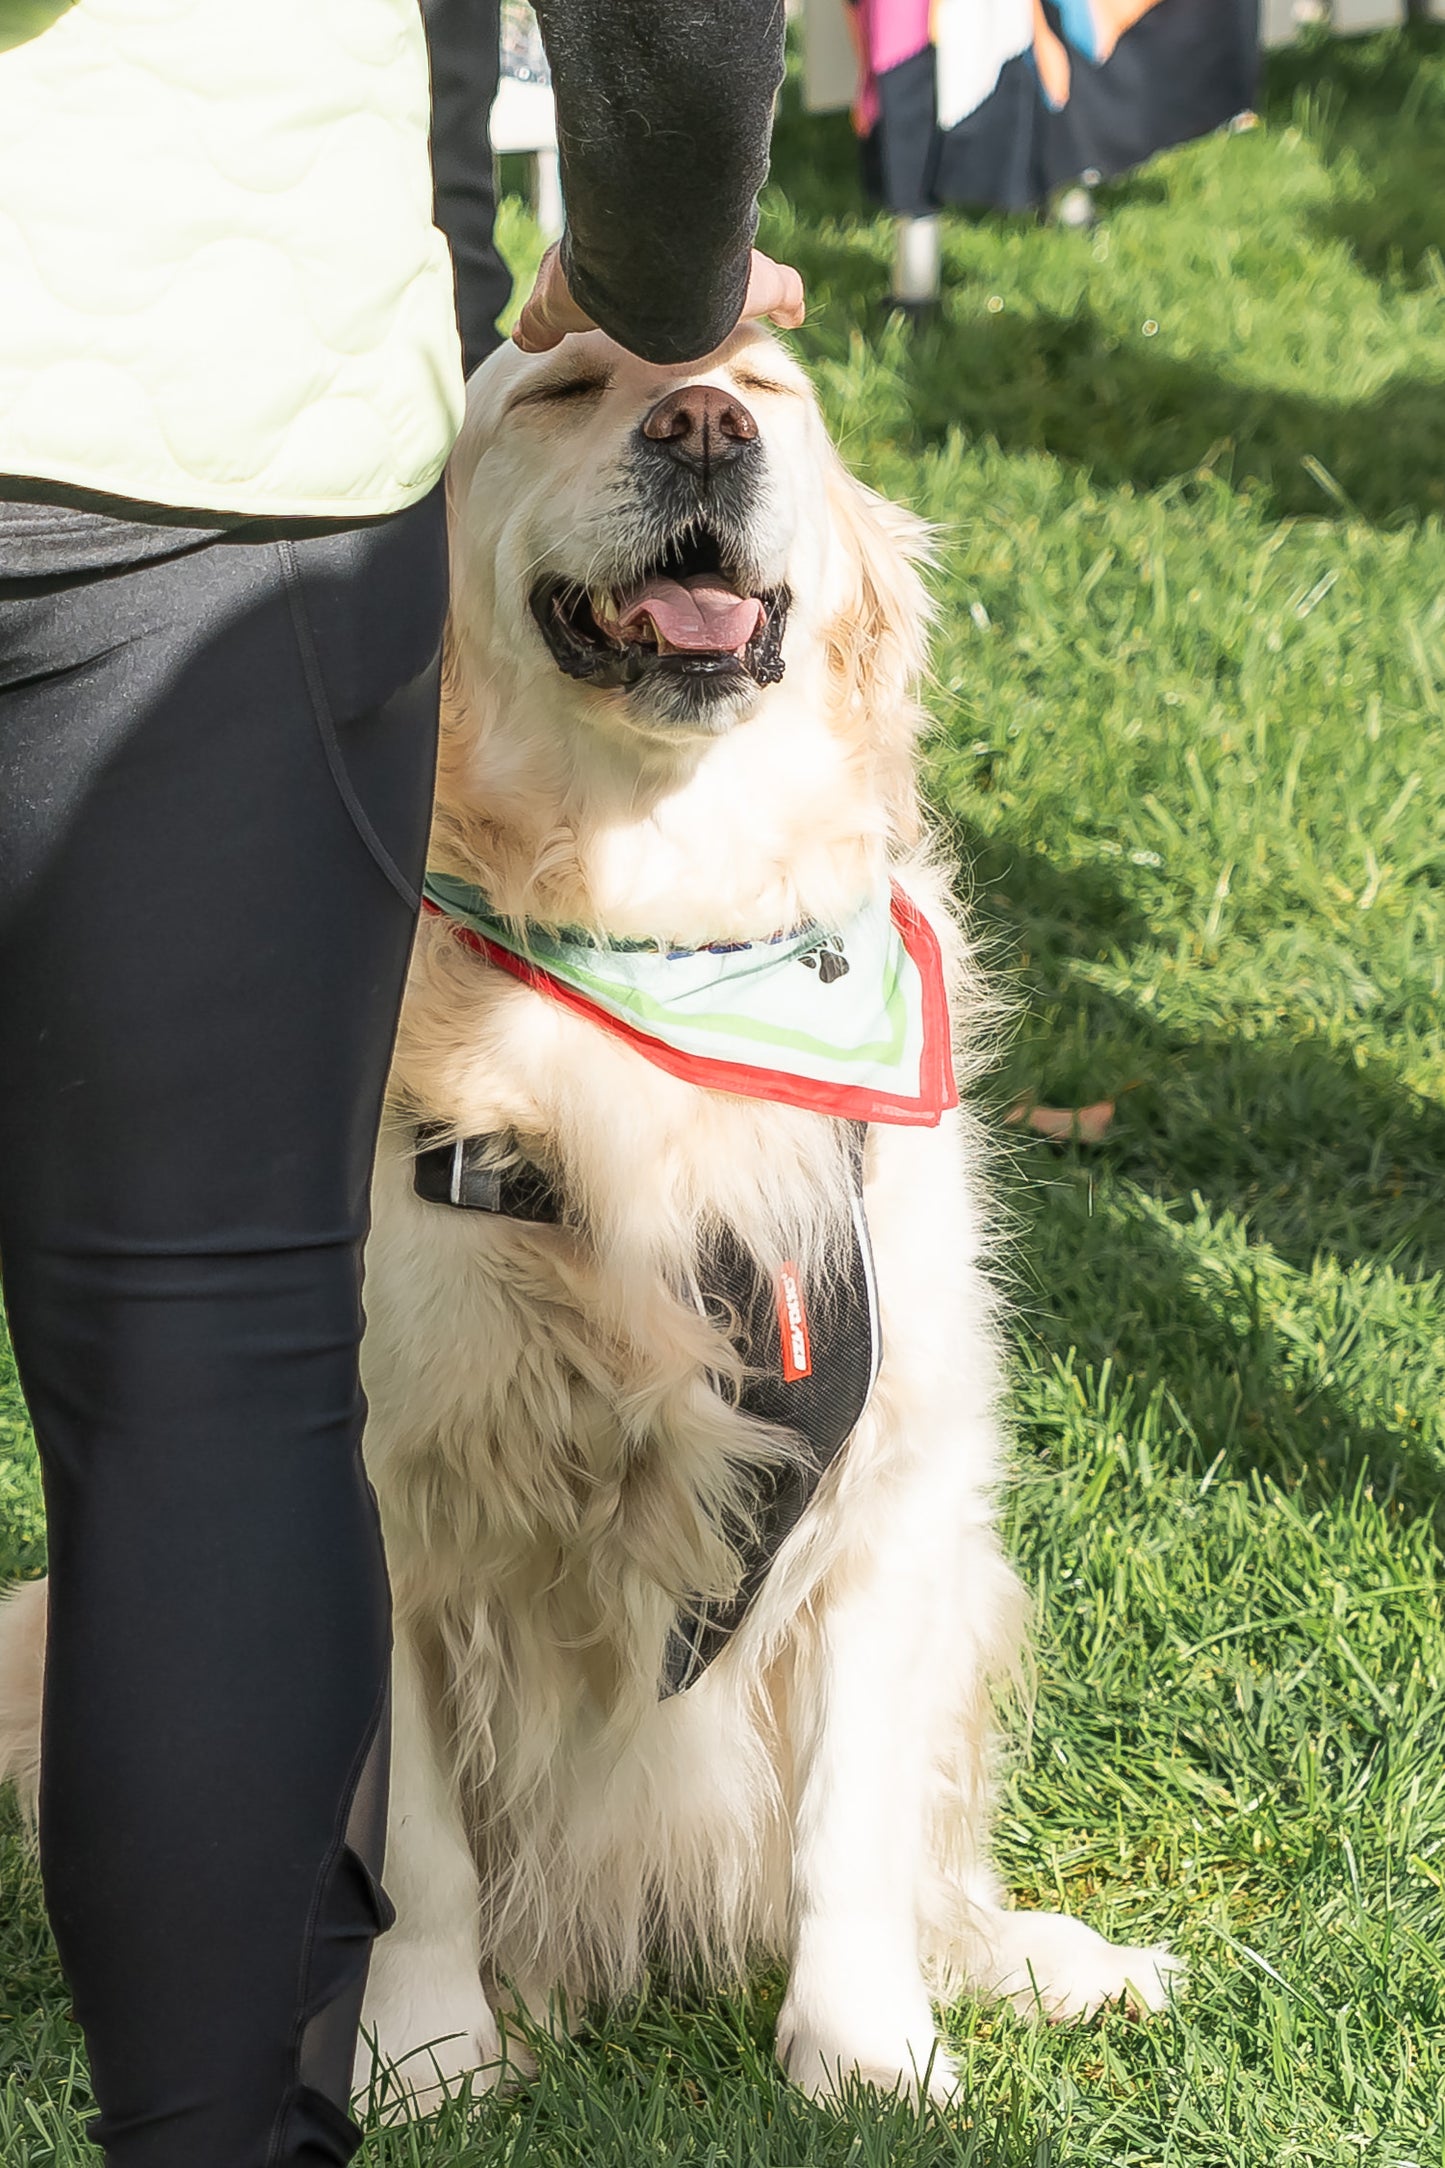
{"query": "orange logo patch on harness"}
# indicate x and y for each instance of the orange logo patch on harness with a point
(793, 1325)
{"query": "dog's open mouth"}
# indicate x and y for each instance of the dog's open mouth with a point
(688, 615)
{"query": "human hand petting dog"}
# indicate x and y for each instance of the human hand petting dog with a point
(775, 294)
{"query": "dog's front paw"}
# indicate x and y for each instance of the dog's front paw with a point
(827, 2042)
(1052, 1966)
(420, 2044)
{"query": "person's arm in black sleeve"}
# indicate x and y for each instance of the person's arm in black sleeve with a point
(664, 114)
(464, 47)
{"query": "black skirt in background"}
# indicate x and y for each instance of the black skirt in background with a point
(1181, 70)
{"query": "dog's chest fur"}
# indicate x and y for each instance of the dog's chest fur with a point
(547, 1418)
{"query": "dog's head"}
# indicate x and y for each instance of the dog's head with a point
(674, 544)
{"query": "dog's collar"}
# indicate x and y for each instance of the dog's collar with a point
(471, 905)
(852, 1022)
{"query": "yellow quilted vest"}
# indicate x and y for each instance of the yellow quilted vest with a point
(220, 284)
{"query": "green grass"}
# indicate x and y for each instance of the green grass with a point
(1189, 473)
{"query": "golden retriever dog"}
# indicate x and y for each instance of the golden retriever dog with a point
(683, 1364)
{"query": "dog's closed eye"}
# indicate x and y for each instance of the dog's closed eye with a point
(562, 390)
(761, 386)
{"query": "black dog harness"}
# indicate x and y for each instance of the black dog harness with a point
(811, 1358)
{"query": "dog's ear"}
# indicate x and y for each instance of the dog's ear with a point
(878, 642)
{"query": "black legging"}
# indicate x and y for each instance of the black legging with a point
(202, 946)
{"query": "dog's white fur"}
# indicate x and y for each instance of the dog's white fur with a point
(553, 1463)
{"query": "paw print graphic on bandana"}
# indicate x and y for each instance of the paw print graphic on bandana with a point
(828, 960)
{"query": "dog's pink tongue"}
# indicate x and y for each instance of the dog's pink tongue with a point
(699, 614)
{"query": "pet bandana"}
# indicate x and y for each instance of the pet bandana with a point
(851, 1023)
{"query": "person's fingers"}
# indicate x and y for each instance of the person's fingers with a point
(549, 312)
(533, 329)
(775, 291)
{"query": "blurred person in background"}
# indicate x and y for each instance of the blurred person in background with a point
(1001, 103)
(229, 379)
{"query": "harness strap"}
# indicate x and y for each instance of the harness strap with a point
(467, 1171)
(815, 1386)
(812, 1358)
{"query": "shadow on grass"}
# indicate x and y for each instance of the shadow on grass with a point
(1373, 107)
(1320, 1150)
(1318, 1157)
(1067, 386)
(1097, 1289)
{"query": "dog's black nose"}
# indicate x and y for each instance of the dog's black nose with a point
(700, 426)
